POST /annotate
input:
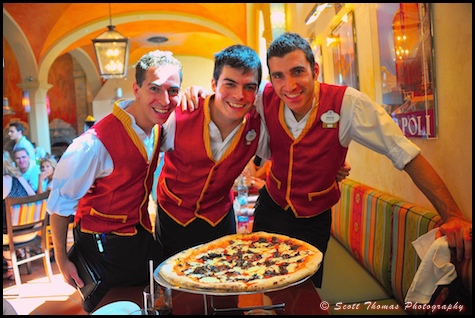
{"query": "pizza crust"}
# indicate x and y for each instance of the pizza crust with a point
(237, 263)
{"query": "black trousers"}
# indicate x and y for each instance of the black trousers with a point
(175, 238)
(270, 217)
(123, 262)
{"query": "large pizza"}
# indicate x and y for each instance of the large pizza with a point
(242, 263)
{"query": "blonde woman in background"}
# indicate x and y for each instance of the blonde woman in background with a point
(45, 178)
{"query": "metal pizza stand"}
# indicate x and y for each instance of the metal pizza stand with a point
(159, 279)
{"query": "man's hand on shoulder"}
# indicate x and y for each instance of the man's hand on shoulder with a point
(190, 97)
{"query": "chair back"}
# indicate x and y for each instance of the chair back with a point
(26, 214)
(26, 219)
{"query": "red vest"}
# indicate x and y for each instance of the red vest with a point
(120, 201)
(192, 184)
(303, 171)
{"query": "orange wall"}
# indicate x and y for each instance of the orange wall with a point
(11, 77)
(62, 93)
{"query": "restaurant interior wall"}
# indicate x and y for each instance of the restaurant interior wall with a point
(451, 152)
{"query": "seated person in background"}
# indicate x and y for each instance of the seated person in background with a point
(14, 186)
(45, 179)
(16, 132)
(29, 171)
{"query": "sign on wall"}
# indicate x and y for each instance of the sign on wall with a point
(407, 70)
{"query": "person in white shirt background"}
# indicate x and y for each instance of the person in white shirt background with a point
(29, 169)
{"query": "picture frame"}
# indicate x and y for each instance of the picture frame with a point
(343, 46)
(317, 52)
(407, 67)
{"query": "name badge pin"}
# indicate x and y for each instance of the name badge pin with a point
(330, 119)
(250, 136)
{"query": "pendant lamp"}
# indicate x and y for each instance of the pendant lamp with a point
(112, 52)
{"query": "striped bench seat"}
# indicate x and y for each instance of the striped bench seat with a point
(370, 260)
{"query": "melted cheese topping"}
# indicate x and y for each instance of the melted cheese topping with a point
(244, 260)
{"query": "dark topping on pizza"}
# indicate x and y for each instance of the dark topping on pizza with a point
(283, 268)
(262, 240)
(210, 256)
(251, 261)
(269, 273)
(269, 262)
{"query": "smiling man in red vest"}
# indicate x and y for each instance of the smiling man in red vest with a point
(117, 158)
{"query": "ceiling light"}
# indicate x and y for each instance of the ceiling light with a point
(333, 40)
(157, 39)
(112, 52)
(313, 16)
(7, 110)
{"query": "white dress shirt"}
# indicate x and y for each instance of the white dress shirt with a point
(84, 161)
(361, 120)
(217, 144)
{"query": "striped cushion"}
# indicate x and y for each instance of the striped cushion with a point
(28, 212)
(378, 230)
(361, 221)
(409, 223)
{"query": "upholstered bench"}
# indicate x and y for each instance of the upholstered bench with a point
(370, 262)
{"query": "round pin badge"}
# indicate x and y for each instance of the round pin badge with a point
(250, 136)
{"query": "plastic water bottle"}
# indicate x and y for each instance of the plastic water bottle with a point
(242, 191)
(241, 206)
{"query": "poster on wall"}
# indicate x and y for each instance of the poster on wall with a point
(317, 52)
(407, 70)
(343, 45)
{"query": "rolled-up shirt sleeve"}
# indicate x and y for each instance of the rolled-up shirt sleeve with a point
(85, 160)
(369, 124)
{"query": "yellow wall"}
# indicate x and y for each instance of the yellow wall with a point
(451, 152)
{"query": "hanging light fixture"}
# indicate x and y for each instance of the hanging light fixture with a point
(48, 105)
(25, 101)
(317, 10)
(7, 110)
(112, 52)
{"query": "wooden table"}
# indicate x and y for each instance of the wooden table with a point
(301, 299)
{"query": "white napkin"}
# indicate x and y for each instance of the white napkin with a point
(435, 268)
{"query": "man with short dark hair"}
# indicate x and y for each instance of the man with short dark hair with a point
(211, 146)
(311, 125)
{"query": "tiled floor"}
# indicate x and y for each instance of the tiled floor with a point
(38, 296)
